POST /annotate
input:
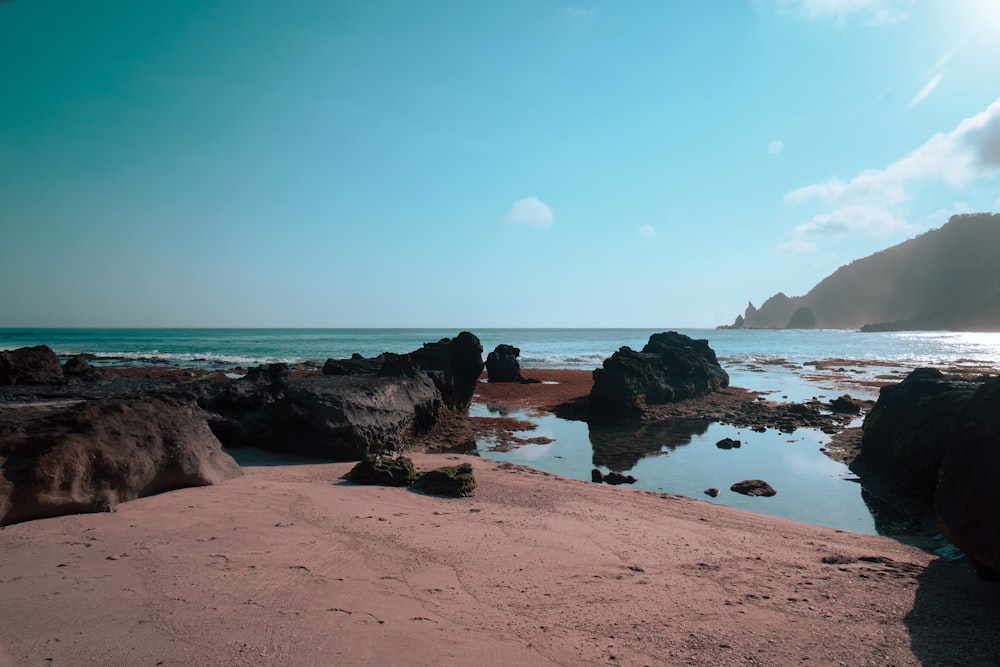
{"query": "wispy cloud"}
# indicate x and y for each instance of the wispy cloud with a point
(796, 248)
(927, 89)
(530, 211)
(936, 74)
(776, 147)
(871, 12)
(873, 203)
(647, 230)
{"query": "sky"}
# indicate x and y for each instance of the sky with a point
(619, 163)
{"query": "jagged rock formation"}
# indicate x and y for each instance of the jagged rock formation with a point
(947, 278)
(340, 417)
(453, 364)
(502, 364)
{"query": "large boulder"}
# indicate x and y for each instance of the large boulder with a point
(30, 365)
(967, 502)
(502, 364)
(937, 438)
(338, 417)
(912, 424)
(671, 367)
(454, 364)
(96, 454)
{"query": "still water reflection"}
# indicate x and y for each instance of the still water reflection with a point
(681, 457)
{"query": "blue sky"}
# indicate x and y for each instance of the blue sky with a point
(464, 164)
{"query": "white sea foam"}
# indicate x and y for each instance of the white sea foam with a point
(579, 360)
(184, 358)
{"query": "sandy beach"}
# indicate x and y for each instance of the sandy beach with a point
(291, 565)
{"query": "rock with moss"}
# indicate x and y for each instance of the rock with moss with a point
(456, 481)
(384, 472)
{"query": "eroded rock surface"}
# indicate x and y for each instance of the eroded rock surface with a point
(343, 417)
(96, 454)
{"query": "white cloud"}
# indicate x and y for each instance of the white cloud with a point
(871, 12)
(852, 221)
(927, 89)
(873, 202)
(776, 147)
(530, 211)
(796, 248)
(647, 230)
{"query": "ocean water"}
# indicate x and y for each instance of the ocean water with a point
(683, 459)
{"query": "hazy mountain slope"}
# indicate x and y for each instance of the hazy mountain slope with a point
(947, 278)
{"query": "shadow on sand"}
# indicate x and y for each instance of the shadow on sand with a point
(253, 457)
(955, 618)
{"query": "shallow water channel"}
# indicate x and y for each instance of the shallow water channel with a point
(681, 457)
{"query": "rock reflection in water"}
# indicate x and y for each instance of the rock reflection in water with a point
(620, 447)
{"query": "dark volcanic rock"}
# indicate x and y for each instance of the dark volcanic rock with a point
(713, 492)
(502, 364)
(457, 481)
(671, 367)
(967, 499)
(356, 365)
(78, 368)
(359, 408)
(384, 471)
(753, 487)
(938, 438)
(345, 418)
(97, 454)
(618, 478)
(455, 366)
(612, 477)
(845, 405)
(728, 443)
(908, 430)
(30, 365)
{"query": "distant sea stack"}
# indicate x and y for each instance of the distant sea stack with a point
(945, 279)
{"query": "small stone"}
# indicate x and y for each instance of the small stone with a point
(618, 478)
(455, 481)
(384, 471)
(753, 487)
(713, 492)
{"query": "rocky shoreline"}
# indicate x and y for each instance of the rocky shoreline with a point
(755, 589)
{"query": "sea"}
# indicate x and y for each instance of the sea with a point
(786, 365)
